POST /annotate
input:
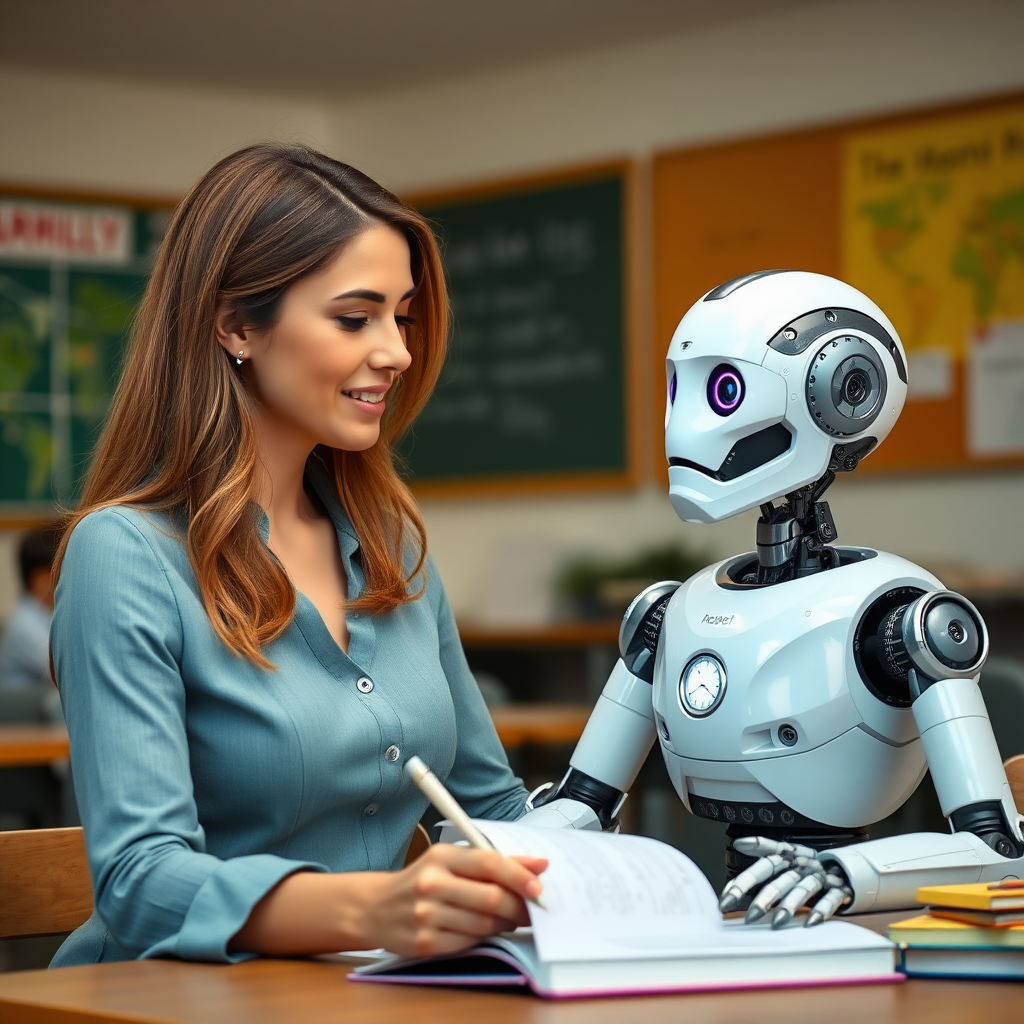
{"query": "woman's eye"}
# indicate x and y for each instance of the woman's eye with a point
(352, 323)
(405, 321)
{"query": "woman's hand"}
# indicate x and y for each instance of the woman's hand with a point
(444, 901)
(453, 896)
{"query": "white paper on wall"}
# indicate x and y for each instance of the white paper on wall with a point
(930, 373)
(995, 390)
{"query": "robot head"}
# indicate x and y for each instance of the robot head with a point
(773, 379)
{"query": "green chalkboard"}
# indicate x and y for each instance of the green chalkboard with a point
(72, 272)
(534, 387)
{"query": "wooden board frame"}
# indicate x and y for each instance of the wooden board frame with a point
(808, 162)
(634, 356)
(100, 197)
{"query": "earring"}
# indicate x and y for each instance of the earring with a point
(238, 361)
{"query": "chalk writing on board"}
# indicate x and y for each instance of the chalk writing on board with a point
(534, 379)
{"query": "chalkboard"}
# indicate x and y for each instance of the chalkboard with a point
(534, 391)
(72, 272)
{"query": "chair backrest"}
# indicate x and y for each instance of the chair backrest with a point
(1015, 776)
(1002, 686)
(418, 845)
(45, 886)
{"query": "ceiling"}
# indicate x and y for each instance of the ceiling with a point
(332, 48)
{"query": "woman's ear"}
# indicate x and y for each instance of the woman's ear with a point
(231, 333)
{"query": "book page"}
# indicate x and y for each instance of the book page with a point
(610, 896)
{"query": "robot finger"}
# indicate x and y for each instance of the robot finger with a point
(828, 905)
(797, 897)
(759, 846)
(772, 893)
(760, 871)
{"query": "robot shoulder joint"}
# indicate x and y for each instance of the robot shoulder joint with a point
(641, 627)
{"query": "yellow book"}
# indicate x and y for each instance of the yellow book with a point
(975, 896)
(938, 931)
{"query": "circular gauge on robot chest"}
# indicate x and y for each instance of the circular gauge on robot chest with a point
(702, 685)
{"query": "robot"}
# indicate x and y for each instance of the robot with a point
(798, 692)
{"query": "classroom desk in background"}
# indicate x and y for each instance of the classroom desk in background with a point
(517, 725)
(29, 744)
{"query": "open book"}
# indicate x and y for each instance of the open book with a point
(627, 914)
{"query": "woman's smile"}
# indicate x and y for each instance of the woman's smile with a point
(368, 399)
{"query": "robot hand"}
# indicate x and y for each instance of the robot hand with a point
(792, 875)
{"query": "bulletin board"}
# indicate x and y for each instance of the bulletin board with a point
(536, 390)
(924, 212)
(72, 271)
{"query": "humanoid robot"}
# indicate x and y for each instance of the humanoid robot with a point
(798, 692)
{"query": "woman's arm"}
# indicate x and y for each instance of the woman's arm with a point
(117, 643)
(445, 901)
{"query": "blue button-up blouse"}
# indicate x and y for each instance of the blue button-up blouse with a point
(203, 780)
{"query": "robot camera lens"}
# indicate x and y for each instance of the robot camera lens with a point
(725, 389)
(855, 387)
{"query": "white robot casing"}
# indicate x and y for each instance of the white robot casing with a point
(788, 654)
(737, 326)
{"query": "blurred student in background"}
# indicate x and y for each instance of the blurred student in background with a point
(24, 642)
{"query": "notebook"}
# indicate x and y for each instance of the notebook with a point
(627, 914)
(985, 918)
(939, 931)
(973, 896)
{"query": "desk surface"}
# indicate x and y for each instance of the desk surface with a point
(279, 991)
(32, 744)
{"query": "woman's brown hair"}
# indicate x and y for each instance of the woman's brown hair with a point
(181, 433)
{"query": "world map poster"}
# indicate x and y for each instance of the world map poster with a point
(933, 231)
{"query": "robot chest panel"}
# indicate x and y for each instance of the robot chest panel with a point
(733, 667)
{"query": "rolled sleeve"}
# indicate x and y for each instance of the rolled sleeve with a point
(117, 643)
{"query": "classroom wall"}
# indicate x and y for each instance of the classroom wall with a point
(799, 67)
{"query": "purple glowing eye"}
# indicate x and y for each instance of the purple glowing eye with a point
(725, 389)
(672, 390)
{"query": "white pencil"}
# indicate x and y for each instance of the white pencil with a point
(433, 789)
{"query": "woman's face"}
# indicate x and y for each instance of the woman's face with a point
(322, 372)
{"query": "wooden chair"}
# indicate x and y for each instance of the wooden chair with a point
(419, 845)
(1015, 775)
(45, 888)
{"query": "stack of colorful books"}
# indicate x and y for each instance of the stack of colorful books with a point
(970, 931)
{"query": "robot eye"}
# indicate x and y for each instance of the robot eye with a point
(725, 389)
(672, 389)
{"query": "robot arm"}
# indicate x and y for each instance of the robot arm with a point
(938, 644)
(619, 734)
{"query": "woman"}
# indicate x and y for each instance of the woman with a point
(249, 638)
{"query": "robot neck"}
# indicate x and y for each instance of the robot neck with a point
(793, 538)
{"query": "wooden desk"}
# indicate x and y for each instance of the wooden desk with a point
(307, 992)
(25, 745)
(522, 724)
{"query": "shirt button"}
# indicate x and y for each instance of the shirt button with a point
(370, 810)
(392, 754)
(364, 685)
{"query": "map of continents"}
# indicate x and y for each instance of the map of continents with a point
(933, 226)
(62, 337)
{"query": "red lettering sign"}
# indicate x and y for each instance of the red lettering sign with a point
(55, 232)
